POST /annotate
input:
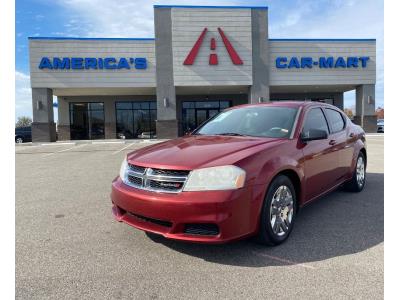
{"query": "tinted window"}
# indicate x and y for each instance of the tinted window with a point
(252, 121)
(136, 119)
(87, 120)
(335, 119)
(194, 113)
(123, 105)
(315, 120)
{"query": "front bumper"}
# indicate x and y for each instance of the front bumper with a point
(232, 212)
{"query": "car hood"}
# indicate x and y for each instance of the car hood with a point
(196, 151)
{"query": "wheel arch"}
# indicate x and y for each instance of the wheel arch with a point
(295, 179)
(364, 152)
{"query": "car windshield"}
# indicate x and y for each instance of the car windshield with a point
(258, 121)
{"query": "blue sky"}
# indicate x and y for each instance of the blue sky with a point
(134, 18)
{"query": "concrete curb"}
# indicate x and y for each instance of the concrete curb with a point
(91, 142)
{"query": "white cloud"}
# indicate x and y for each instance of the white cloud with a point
(23, 95)
(332, 19)
(39, 17)
(126, 19)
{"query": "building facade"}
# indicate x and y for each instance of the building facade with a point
(202, 60)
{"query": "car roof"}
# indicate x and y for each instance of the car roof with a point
(287, 103)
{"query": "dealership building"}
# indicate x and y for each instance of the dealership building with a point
(202, 60)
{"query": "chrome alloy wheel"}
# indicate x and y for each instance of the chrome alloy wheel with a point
(360, 171)
(281, 210)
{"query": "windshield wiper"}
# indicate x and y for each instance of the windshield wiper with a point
(231, 134)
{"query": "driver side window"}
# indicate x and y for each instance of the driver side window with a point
(315, 119)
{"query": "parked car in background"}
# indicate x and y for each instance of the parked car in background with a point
(380, 124)
(244, 172)
(147, 135)
(23, 134)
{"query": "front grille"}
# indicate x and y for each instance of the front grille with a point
(135, 180)
(170, 172)
(150, 220)
(137, 169)
(166, 185)
(201, 229)
(156, 180)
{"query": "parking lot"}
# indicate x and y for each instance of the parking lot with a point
(68, 245)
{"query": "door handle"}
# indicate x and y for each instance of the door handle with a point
(332, 142)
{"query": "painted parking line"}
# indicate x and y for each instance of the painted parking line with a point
(122, 149)
(64, 150)
(56, 144)
(285, 261)
(110, 142)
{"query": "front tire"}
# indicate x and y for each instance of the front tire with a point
(357, 182)
(19, 140)
(278, 212)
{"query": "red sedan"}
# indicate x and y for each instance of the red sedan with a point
(244, 172)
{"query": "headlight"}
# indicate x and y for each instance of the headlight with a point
(122, 171)
(215, 178)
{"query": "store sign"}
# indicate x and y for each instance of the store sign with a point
(213, 58)
(322, 62)
(86, 63)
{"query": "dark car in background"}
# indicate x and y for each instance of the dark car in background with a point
(23, 134)
(381, 125)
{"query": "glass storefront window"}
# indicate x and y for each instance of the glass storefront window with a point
(188, 104)
(86, 120)
(136, 119)
(123, 105)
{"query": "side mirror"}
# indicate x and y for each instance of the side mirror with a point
(314, 134)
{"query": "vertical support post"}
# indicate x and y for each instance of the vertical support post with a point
(260, 56)
(365, 107)
(167, 123)
(43, 126)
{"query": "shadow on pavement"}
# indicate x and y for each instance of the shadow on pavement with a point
(338, 224)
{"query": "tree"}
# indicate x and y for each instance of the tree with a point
(380, 113)
(23, 122)
(349, 113)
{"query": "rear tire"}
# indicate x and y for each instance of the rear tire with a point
(19, 140)
(357, 182)
(278, 212)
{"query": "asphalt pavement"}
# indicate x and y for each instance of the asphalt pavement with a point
(68, 245)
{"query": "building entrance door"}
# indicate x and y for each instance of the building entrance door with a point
(86, 120)
(136, 119)
(194, 113)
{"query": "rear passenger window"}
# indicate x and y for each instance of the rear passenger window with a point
(315, 120)
(335, 119)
